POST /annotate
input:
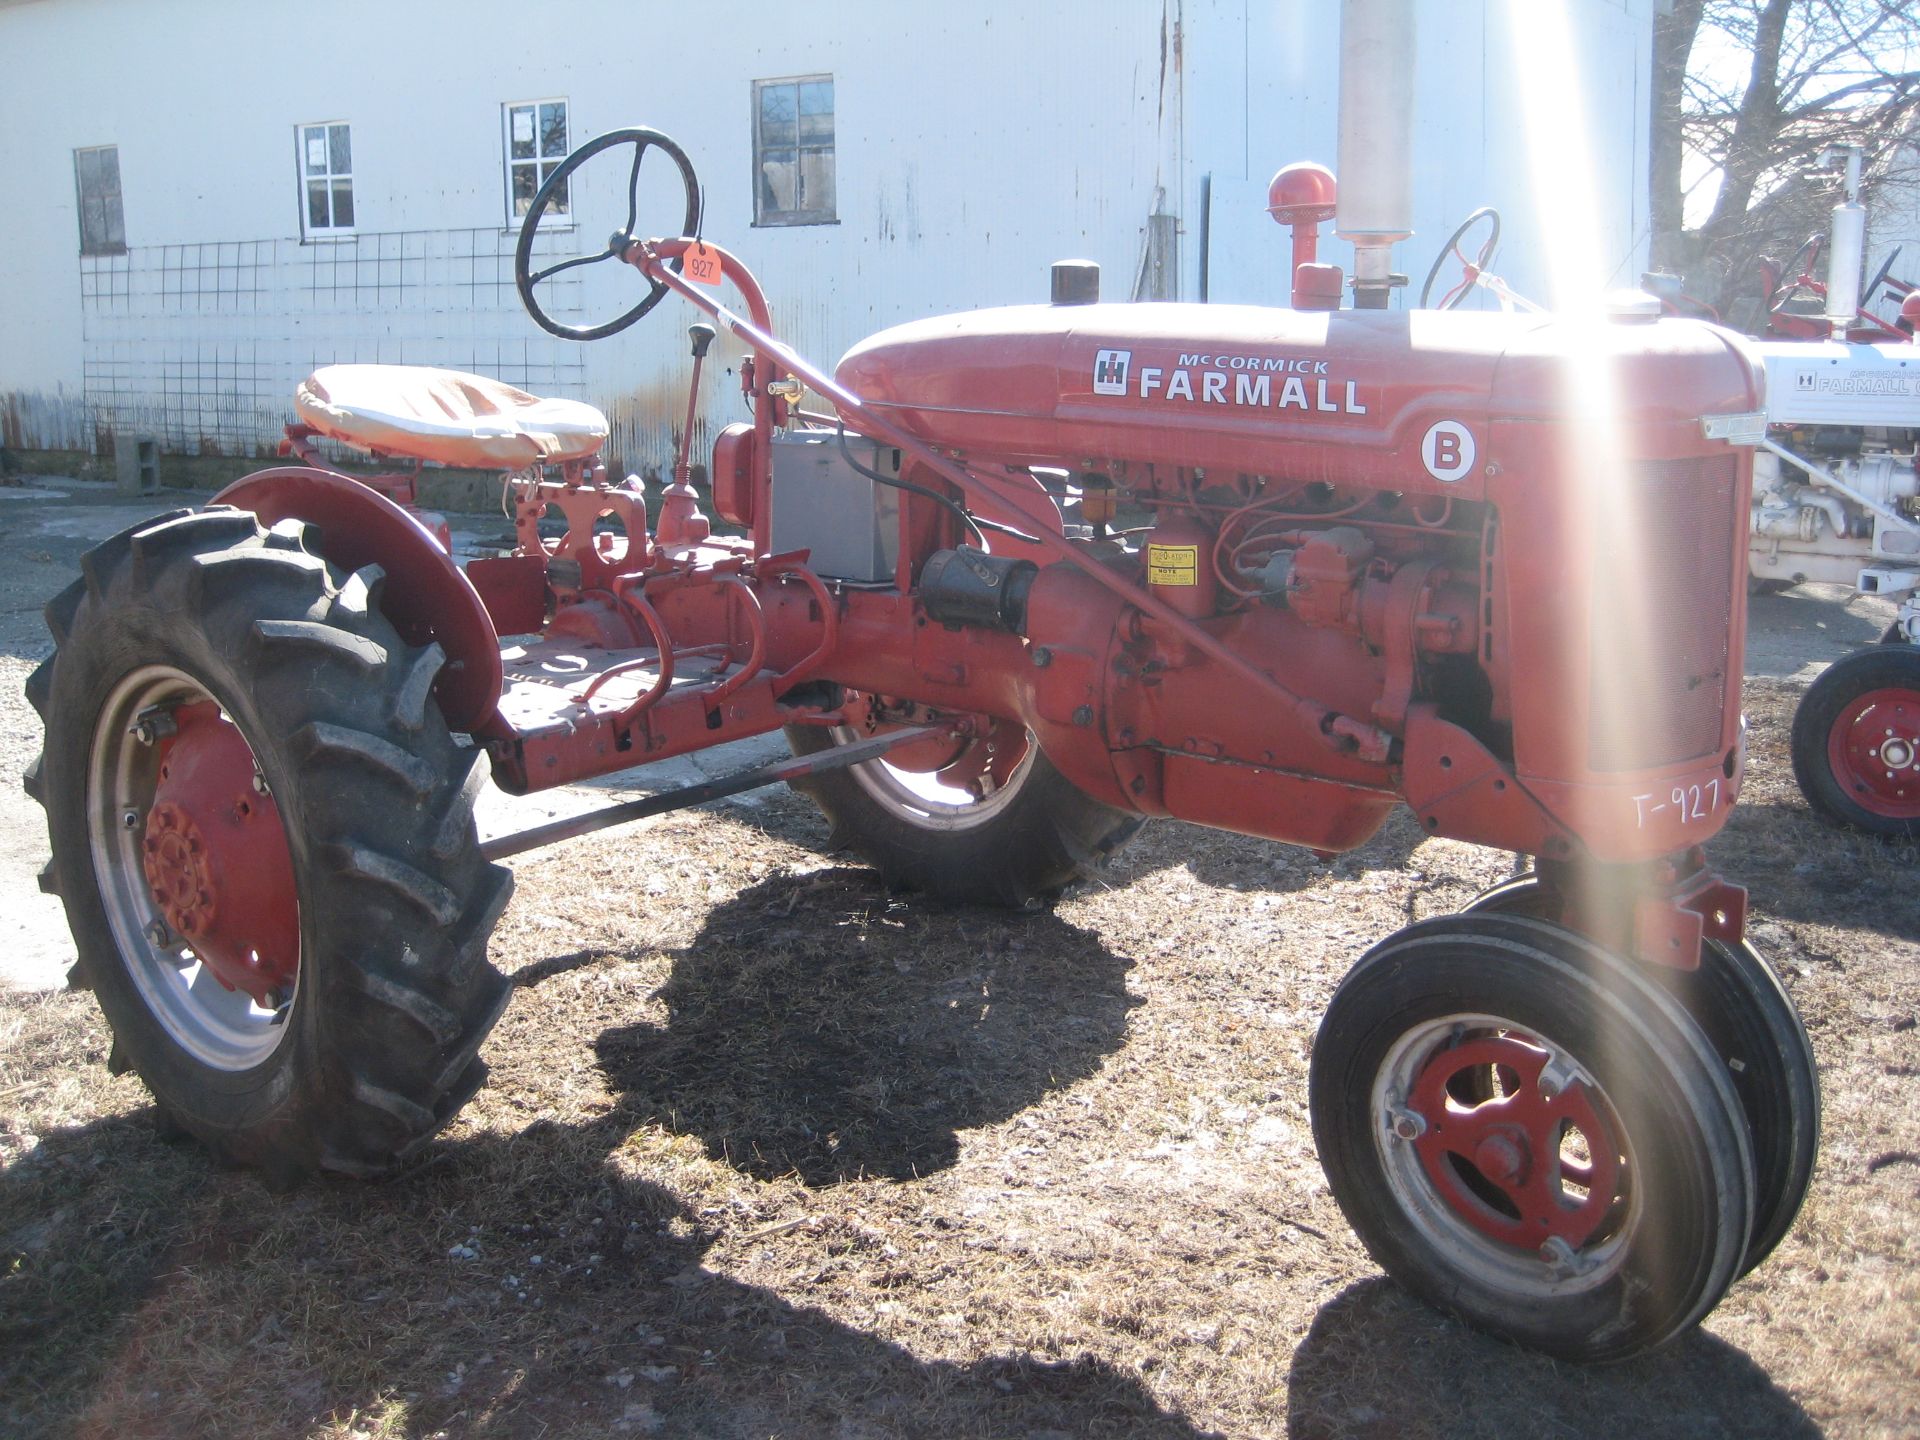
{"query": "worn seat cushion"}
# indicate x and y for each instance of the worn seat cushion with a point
(445, 415)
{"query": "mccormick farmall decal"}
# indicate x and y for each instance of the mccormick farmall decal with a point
(1271, 382)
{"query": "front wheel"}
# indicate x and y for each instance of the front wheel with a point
(1525, 1131)
(263, 836)
(1738, 1002)
(985, 821)
(1856, 742)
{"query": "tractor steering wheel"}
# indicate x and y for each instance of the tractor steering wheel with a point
(525, 278)
(1879, 276)
(1483, 258)
(1793, 275)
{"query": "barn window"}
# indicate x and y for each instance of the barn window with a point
(103, 228)
(536, 143)
(793, 151)
(326, 178)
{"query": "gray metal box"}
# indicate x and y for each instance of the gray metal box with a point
(822, 504)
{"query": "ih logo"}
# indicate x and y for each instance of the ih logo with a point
(1110, 371)
(1803, 380)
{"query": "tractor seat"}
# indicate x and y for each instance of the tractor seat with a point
(445, 415)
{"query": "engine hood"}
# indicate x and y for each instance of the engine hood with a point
(1395, 398)
(1831, 382)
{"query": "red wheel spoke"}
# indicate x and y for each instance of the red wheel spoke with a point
(1511, 1145)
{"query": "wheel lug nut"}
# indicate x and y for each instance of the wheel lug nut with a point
(1406, 1124)
(130, 819)
(158, 934)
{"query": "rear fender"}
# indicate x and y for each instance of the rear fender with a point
(427, 597)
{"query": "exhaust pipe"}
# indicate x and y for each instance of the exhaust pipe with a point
(1846, 253)
(1376, 140)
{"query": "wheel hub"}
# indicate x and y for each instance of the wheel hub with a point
(1874, 748)
(216, 859)
(1521, 1159)
(175, 862)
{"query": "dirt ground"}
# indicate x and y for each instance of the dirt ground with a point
(767, 1151)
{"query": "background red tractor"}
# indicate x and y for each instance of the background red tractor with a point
(1036, 574)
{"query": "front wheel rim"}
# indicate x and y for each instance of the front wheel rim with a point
(1504, 1156)
(1874, 750)
(204, 1006)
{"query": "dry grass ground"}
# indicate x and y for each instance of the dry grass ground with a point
(768, 1152)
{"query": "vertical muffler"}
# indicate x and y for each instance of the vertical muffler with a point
(1376, 138)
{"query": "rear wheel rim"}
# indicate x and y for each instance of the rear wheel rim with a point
(992, 771)
(219, 1024)
(1874, 749)
(1529, 1187)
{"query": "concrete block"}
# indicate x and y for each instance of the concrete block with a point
(136, 461)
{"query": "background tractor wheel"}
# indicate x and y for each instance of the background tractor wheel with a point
(263, 836)
(1856, 742)
(1524, 1130)
(1737, 1000)
(987, 821)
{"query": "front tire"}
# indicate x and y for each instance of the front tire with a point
(1738, 1002)
(1019, 839)
(263, 836)
(1856, 742)
(1526, 1132)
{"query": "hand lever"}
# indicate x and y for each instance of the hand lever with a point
(680, 519)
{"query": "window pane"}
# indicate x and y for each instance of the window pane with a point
(816, 97)
(817, 129)
(342, 203)
(777, 106)
(93, 222)
(108, 163)
(816, 181)
(557, 205)
(116, 227)
(778, 176)
(317, 204)
(520, 144)
(342, 155)
(86, 166)
(553, 129)
(523, 188)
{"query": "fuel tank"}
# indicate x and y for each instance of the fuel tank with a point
(1400, 400)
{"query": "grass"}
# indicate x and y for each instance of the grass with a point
(769, 1152)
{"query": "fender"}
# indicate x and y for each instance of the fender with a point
(427, 597)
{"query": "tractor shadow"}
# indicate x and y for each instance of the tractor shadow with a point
(1378, 1363)
(515, 1285)
(818, 1026)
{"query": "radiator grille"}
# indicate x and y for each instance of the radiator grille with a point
(1663, 614)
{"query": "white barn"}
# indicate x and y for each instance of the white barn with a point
(208, 199)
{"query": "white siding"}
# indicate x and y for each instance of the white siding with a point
(976, 142)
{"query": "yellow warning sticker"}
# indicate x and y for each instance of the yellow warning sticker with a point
(1173, 564)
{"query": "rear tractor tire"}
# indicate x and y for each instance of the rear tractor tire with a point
(987, 822)
(263, 836)
(1856, 742)
(1526, 1131)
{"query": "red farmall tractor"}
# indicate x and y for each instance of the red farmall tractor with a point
(1029, 576)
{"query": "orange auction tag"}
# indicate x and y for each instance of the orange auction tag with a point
(702, 264)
